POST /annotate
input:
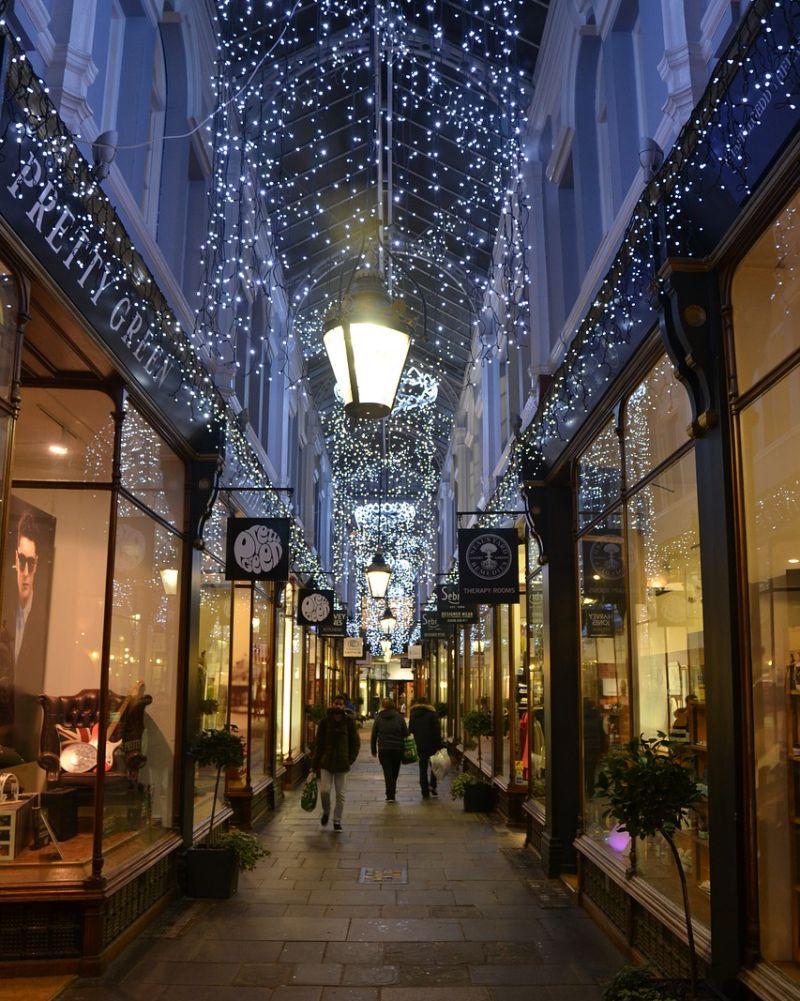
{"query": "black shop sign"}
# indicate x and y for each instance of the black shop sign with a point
(599, 622)
(603, 568)
(314, 606)
(432, 626)
(337, 625)
(257, 549)
(488, 566)
(448, 598)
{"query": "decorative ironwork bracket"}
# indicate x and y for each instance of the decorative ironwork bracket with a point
(685, 309)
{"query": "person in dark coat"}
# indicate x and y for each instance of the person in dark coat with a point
(336, 747)
(389, 732)
(427, 733)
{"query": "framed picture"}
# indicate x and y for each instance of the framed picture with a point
(24, 625)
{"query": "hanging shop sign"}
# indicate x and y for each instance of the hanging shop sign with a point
(314, 606)
(599, 622)
(415, 651)
(488, 566)
(448, 598)
(257, 549)
(353, 647)
(432, 626)
(603, 568)
(337, 626)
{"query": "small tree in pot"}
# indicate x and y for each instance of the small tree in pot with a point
(650, 791)
(212, 868)
(478, 796)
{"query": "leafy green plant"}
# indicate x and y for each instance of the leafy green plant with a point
(650, 791)
(209, 706)
(460, 783)
(478, 723)
(637, 983)
(315, 712)
(247, 846)
(222, 748)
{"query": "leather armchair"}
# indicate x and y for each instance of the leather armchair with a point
(81, 709)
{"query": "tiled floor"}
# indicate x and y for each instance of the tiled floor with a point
(466, 926)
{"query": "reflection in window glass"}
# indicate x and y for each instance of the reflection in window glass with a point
(599, 475)
(657, 415)
(261, 697)
(668, 660)
(238, 712)
(766, 299)
(144, 670)
(151, 471)
(770, 435)
(606, 721)
(213, 670)
(280, 661)
(297, 688)
(64, 434)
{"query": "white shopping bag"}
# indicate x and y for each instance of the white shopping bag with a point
(440, 764)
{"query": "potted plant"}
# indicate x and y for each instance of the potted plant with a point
(650, 791)
(479, 795)
(212, 867)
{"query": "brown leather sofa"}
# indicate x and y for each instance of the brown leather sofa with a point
(81, 709)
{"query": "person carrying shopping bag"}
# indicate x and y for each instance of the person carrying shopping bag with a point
(426, 730)
(389, 732)
(336, 747)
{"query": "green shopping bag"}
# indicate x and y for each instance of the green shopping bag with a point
(410, 751)
(308, 801)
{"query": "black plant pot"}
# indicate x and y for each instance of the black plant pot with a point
(211, 872)
(479, 798)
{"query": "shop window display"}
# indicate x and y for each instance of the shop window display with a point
(533, 723)
(239, 699)
(766, 301)
(641, 591)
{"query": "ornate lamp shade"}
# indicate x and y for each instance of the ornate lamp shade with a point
(367, 343)
(378, 574)
(388, 622)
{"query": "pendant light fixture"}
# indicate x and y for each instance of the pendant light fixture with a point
(367, 343)
(388, 621)
(379, 571)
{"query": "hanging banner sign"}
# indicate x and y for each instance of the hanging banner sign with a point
(314, 607)
(432, 626)
(337, 625)
(599, 622)
(603, 568)
(353, 647)
(257, 549)
(488, 566)
(448, 598)
(415, 651)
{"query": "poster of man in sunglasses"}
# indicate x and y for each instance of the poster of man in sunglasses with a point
(23, 632)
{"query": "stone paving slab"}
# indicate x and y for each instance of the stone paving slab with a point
(466, 927)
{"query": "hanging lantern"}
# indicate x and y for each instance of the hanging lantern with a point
(367, 343)
(388, 622)
(378, 574)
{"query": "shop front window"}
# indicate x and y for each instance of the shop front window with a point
(533, 722)
(281, 747)
(261, 694)
(640, 588)
(143, 675)
(239, 702)
(766, 335)
(666, 599)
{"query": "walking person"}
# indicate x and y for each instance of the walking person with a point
(336, 747)
(426, 730)
(388, 733)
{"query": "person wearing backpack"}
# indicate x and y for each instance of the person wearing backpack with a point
(336, 747)
(389, 732)
(426, 731)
